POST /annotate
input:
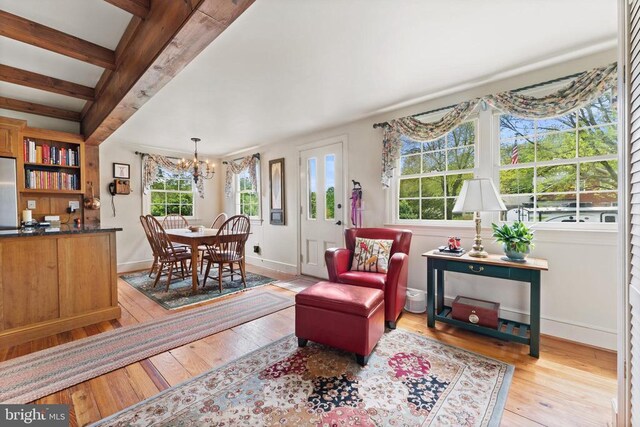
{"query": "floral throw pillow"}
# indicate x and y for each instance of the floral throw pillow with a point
(371, 255)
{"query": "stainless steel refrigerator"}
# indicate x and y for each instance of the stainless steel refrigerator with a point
(8, 194)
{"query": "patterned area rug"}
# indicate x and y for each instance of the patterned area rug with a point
(39, 374)
(179, 293)
(410, 380)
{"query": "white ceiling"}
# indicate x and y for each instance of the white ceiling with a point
(289, 67)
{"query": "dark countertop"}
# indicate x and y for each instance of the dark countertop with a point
(62, 229)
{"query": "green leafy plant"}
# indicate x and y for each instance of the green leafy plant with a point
(516, 237)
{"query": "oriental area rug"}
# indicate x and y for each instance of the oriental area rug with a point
(180, 294)
(39, 374)
(409, 380)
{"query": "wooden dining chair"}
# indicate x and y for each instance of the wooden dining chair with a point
(229, 248)
(216, 224)
(147, 233)
(168, 255)
(173, 221)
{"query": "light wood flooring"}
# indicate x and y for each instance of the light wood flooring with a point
(569, 385)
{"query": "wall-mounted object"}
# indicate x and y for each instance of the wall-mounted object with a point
(277, 192)
(120, 186)
(91, 202)
(121, 170)
(356, 204)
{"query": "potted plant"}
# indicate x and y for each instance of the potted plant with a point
(516, 239)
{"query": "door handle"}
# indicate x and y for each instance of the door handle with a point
(339, 223)
(339, 206)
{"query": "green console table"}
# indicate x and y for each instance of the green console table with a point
(492, 266)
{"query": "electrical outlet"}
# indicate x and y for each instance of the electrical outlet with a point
(74, 205)
(256, 249)
(31, 204)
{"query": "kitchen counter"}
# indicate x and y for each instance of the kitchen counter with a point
(62, 229)
(56, 279)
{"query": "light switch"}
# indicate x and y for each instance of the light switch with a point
(31, 204)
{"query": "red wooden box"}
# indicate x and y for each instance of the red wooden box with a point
(476, 311)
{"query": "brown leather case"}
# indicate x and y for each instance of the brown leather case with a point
(476, 311)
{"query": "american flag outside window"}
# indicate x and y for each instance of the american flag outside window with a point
(514, 155)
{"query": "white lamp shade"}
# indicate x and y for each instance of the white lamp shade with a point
(478, 195)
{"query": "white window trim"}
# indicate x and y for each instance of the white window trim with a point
(487, 165)
(236, 195)
(146, 203)
(536, 225)
(394, 187)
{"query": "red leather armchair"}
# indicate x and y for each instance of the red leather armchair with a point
(393, 283)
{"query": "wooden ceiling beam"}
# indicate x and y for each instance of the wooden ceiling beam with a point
(42, 82)
(35, 34)
(173, 33)
(39, 109)
(139, 8)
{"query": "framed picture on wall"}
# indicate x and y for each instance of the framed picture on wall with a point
(276, 192)
(121, 170)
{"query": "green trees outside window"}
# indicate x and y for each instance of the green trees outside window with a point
(566, 167)
(432, 174)
(172, 194)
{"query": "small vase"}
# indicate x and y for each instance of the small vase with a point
(514, 255)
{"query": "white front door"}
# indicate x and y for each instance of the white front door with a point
(322, 210)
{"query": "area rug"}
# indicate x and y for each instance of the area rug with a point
(39, 374)
(179, 293)
(410, 380)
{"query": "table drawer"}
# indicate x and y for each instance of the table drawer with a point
(479, 269)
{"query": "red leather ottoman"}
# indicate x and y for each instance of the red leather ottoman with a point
(347, 317)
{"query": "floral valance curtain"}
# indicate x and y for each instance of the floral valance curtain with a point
(236, 167)
(581, 91)
(151, 165)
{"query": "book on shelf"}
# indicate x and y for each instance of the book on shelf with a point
(50, 155)
(47, 180)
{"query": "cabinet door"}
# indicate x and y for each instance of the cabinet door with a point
(8, 142)
(28, 281)
(87, 273)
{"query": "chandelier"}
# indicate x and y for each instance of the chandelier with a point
(197, 168)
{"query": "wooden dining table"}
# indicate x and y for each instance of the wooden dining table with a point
(193, 239)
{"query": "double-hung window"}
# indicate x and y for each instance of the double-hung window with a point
(172, 193)
(432, 173)
(562, 169)
(248, 197)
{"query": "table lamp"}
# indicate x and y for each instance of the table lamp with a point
(478, 195)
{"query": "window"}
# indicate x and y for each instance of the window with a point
(247, 197)
(432, 173)
(172, 194)
(562, 169)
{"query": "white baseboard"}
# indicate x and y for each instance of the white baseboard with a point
(282, 267)
(126, 267)
(572, 331)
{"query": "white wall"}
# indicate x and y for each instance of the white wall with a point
(132, 247)
(578, 292)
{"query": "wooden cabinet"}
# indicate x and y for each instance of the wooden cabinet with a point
(55, 283)
(10, 136)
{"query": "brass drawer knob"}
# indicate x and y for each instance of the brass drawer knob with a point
(476, 269)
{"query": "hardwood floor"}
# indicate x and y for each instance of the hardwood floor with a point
(570, 385)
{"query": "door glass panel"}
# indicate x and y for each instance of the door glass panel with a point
(329, 186)
(312, 189)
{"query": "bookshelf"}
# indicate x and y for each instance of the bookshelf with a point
(51, 162)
